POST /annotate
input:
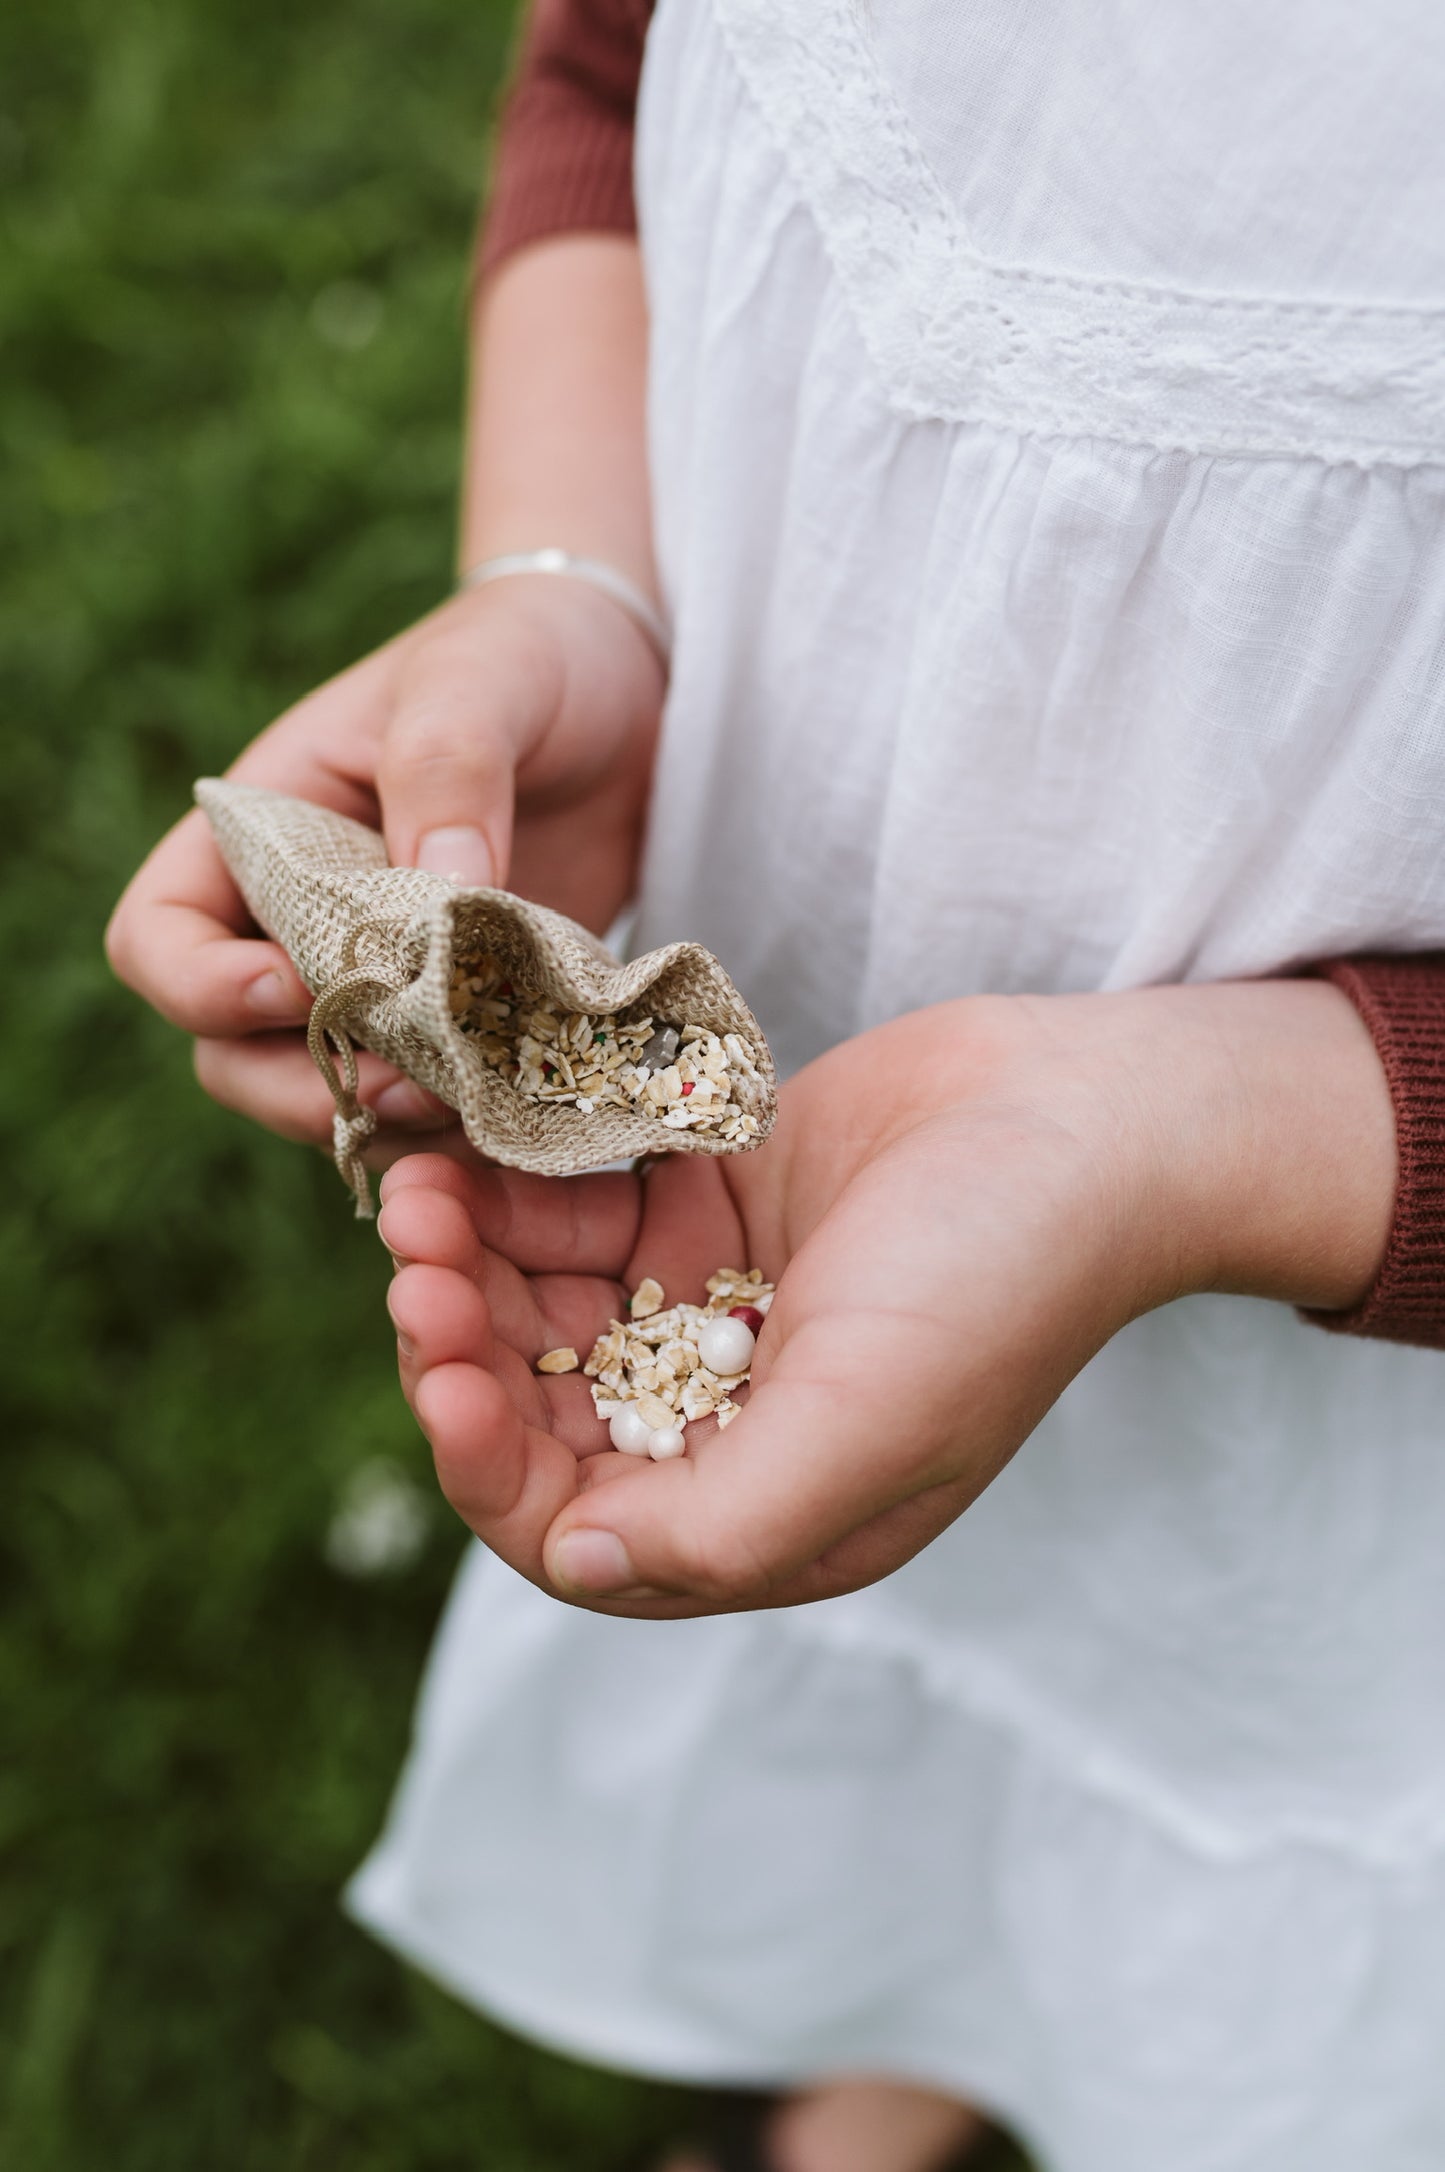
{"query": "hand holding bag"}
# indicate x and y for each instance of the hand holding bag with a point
(379, 948)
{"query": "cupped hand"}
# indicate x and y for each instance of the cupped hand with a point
(959, 1209)
(506, 738)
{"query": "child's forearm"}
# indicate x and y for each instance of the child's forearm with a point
(1277, 1140)
(556, 446)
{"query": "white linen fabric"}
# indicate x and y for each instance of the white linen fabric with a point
(1048, 418)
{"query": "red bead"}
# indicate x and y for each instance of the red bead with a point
(749, 1315)
(687, 1088)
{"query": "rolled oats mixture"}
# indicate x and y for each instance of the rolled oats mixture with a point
(680, 1073)
(650, 1373)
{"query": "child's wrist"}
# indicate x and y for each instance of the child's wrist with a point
(1234, 1136)
(569, 624)
(637, 604)
(1270, 1144)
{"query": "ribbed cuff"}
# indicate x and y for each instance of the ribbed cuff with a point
(551, 179)
(1402, 1002)
(564, 155)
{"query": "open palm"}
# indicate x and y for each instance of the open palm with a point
(938, 1224)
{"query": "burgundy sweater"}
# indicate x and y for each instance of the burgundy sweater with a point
(564, 164)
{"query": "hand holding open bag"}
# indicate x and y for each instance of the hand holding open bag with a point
(380, 946)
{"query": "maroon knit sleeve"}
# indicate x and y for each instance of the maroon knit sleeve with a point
(564, 150)
(1402, 1002)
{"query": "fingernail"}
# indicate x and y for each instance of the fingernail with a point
(404, 1342)
(410, 1105)
(398, 1259)
(461, 854)
(273, 995)
(592, 1561)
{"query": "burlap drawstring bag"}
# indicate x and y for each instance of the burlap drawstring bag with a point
(377, 946)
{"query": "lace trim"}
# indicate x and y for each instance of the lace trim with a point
(954, 337)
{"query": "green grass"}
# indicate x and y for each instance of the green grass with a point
(233, 251)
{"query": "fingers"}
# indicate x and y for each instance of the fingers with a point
(430, 1224)
(274, 1081)
(763, 1526)
(586, 1225)
(463, 711)
(445, 1318)
(432, 1227)
(678, 1223)
(732, 1525)
(746, 1518)
(441, 1318)
(691, 1226)
(484, 1453)
(722, 1530)
(429, 726)
(179, 937)
(867, 1404)
(506, 1442)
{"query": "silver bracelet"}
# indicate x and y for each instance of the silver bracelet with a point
(625, 593)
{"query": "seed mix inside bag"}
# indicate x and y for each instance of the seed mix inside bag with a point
(556, 1057)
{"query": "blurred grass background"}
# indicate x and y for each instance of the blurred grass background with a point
(233, 250)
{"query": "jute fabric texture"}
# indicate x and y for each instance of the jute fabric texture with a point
(377, 946)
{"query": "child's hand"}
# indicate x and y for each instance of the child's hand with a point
(960, 1209)
(506, 738)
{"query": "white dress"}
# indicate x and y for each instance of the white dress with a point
(1048, 428)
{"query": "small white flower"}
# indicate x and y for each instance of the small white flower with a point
(380, 1524)
(348, 314)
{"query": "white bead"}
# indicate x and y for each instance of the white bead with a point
(630, 1431)
(726, 1346)
(666, 1442)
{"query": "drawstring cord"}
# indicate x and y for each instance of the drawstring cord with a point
(352, 1125)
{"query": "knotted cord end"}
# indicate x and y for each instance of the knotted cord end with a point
(352, 1125)
(350, 1130)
